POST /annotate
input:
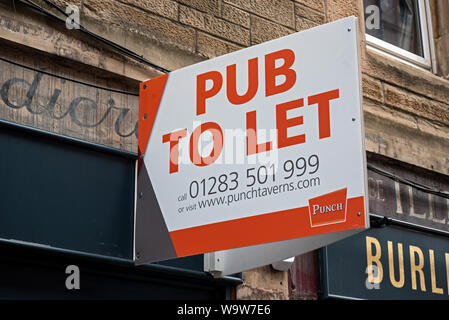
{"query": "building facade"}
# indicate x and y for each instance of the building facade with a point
(78, 87)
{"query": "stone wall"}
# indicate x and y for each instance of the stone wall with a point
(204, 28)
(440, 18)
(398, 98)
(263, 283)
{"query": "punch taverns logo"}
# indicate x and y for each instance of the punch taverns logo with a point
(328, 209)
(40, 100)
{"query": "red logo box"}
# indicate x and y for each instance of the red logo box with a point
(328, 208)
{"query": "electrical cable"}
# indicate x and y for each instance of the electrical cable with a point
(407, 182)
(68, 79)
(116, 46)
(110, 43)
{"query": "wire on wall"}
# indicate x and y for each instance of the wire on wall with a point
(110, 43)
(67, 79)
(408, 182)
(141, 59)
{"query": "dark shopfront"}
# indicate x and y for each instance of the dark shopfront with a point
(88, 223)
(67, 191)
(389, 262)
(405, 253)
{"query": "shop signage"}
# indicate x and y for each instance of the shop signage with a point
(259, 146)
(388, 263)
(38, 99)
(404, 202)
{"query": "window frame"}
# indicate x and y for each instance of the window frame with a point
(397, 52)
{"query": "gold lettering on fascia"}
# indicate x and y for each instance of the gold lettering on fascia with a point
(396, 283)
(446, 258)
(374, 259)
(433, 277)
(419, 265)
(416, 267)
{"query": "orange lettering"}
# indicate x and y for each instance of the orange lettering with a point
(202, 94)
(271, 72)
(173, 138)
(231, 83)
(282, 123)
(322, 99)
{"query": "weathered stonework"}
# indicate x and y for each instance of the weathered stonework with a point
(263, 283)
(278, 11)
(212, 6)
(310, 14)
(165, 8)
(263, 30)
(303, 24)
(235, 15)
(210, 46)
(213, 25)
(158, 28)
(314, 4)
(372, 88)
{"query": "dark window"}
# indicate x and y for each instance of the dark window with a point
(398, 23)
(64, 195)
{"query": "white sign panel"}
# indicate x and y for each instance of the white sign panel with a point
(262, 145)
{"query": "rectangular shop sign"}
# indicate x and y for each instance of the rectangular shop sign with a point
(406, 202)
(262, 145)
(387, 263)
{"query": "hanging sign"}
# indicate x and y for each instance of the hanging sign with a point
(258, 146)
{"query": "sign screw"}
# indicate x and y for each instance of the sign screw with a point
(144, 86)
(138, 255)
(140, 195)
(349, 29)
(358, 214)
(144, 115)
